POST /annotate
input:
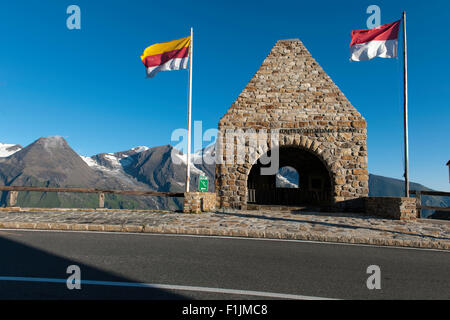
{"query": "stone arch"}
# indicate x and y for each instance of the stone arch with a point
(307, 146)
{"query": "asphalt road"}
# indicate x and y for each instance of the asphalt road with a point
(205, 266)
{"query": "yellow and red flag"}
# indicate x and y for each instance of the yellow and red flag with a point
(166, 56)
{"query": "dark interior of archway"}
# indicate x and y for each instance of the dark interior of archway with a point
(314, 181)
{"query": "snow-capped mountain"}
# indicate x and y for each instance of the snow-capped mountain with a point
(52, 162)
(287, 177)
(283, 182)
(127, 164)
(113, 164)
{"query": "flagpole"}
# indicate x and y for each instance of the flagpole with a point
(405, 104)
(188, 162)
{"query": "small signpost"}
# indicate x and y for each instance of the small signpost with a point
(203, 184)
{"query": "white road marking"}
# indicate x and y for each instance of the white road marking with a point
(230, 237)
(170, 287)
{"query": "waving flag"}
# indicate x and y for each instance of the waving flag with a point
(377, 42)
(166, 56)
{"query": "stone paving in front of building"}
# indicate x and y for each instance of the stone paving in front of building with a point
(330, 227)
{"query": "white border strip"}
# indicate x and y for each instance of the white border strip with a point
(228, 237)
(170, 287)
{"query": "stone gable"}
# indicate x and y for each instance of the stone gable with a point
(292, 94)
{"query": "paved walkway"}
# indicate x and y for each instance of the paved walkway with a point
(332, 227)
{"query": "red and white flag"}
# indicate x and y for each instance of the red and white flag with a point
(380, 42)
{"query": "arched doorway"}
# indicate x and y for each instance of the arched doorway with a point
(313, 187)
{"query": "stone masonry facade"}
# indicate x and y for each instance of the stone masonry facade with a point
(198, 202)
(291, 94)
(398, 208)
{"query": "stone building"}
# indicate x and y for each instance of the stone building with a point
(292, 110)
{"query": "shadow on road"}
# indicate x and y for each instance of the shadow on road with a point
(19, 260)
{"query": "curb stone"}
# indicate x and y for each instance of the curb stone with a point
(165, 229)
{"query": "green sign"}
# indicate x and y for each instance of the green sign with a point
(203, 183)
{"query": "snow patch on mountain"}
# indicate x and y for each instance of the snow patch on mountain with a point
(139, 149)
(287, 177)
(180, 158)
(8, 149)
(206, 155)
(113, 160)
(90, 162)
(112, 164)
(283, 182)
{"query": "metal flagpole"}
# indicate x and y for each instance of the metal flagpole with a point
(188, 162)
(405, 104)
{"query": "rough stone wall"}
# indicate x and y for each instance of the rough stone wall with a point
(197, 202)
(291, 91)
(400, 208)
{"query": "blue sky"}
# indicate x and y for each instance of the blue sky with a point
(89, 85)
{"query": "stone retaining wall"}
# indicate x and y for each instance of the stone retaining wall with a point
(400, 208)
(197, 202)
